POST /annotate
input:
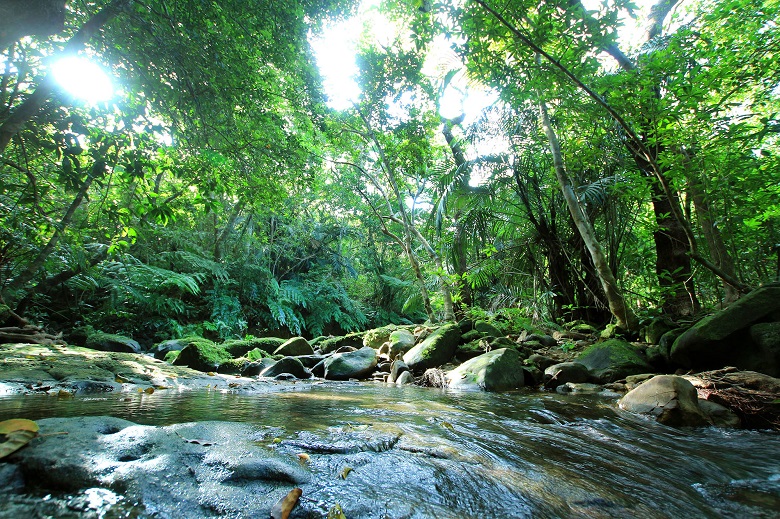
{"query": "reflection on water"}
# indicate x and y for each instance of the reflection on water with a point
(545, 445)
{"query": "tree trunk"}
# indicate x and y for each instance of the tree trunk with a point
(617, 306)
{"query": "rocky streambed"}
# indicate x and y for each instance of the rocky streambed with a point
(370, 450)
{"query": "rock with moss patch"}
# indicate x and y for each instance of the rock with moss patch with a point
(202, 355)
(233, 366)
(161, 350)
(497, 370)
(352, 364)
(378, 336)
(724, 339)
(294, 347)
(241, 347)
(334, 343)
(400, 341)
(437, 349)
(112, 342)
(257, 354)
(171, 356)
(487, 329)
(613, 360)
(671, 400)
(471, 349)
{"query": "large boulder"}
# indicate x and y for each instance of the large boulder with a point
(352, 364)
(613, 360)
(563, 372)
(400, 341)
(112, 342)
(724, 338)
(289, 365)
(437, 349)
(202, 355)
(294, 347)
(670, 399)
(497, 370)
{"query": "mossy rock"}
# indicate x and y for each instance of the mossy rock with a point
(469, 350)
(497, 370)
(202, 355)
(471, 335)
(294, 347)
(332, 344)
(487, 329)
(721, 338)
(257, 354)
(437, 349)
(112, 342)
(613, 360)
(378, 336)
(400, 341)
(170, 357)
(233, 366)
(240, 348)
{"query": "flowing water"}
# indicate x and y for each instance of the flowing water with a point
(518, 454)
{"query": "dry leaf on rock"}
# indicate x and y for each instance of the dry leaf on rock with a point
(336, 512)
(283, 507)
(345, 472)
(15, 434)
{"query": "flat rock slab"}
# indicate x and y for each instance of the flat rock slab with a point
(52, 368)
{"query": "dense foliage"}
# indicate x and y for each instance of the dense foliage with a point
(217, 193)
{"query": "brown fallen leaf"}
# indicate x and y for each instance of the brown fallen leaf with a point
(15, 434)
(149, 390)
(283, 507)
(303, 457)
(345, 472)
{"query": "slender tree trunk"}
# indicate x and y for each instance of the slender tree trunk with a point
(623, 313)
(23, 278)
(718, 251)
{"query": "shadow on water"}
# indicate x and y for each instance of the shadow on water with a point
(516, 454)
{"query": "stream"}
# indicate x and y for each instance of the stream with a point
(462, 455)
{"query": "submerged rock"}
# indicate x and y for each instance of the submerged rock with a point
(670, 399)
(437, 349)
(497, 370)
(354, 364)
(613, 360)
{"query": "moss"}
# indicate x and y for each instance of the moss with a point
(257, 354)
(202, 355)
(240, 347)
(171, 356)
(233, 366)
(378, 336)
